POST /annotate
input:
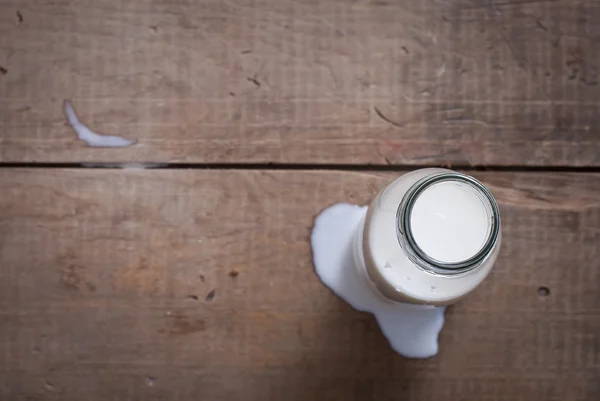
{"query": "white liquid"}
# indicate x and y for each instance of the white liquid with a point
(90, 137)
(450, 222)
(412, 330)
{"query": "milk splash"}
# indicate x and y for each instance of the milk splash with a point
(412, 330)
(90, 137)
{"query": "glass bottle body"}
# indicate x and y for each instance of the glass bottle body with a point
(430, 237)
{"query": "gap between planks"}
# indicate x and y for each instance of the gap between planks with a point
(296, 167)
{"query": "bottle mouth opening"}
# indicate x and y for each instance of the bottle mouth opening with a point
(410, 243)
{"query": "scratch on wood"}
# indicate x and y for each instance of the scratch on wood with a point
(335, 81)
(429, 90)
(520, 3)
(456, 118)
(466, 120)
(384, 118)
(254, 77)
(447, 110)
(383, 156)
(254, 81)
(50, 387)
(541, 26)
(211, 295)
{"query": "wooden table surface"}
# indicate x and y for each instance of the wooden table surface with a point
(194, 280)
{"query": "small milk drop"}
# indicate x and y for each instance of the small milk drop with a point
(92, 138)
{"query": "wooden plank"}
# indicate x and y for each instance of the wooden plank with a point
(104, 276)
(465, 82)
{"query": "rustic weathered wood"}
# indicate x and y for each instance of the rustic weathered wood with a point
(383, 82)
(105, 278)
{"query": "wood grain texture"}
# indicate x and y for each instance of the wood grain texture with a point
(105, 277)
(465, 82)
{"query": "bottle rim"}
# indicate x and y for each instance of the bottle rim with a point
(414, 251)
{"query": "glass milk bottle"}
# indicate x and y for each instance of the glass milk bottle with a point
(430, 237)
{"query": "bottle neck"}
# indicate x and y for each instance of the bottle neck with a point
(434, 213)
